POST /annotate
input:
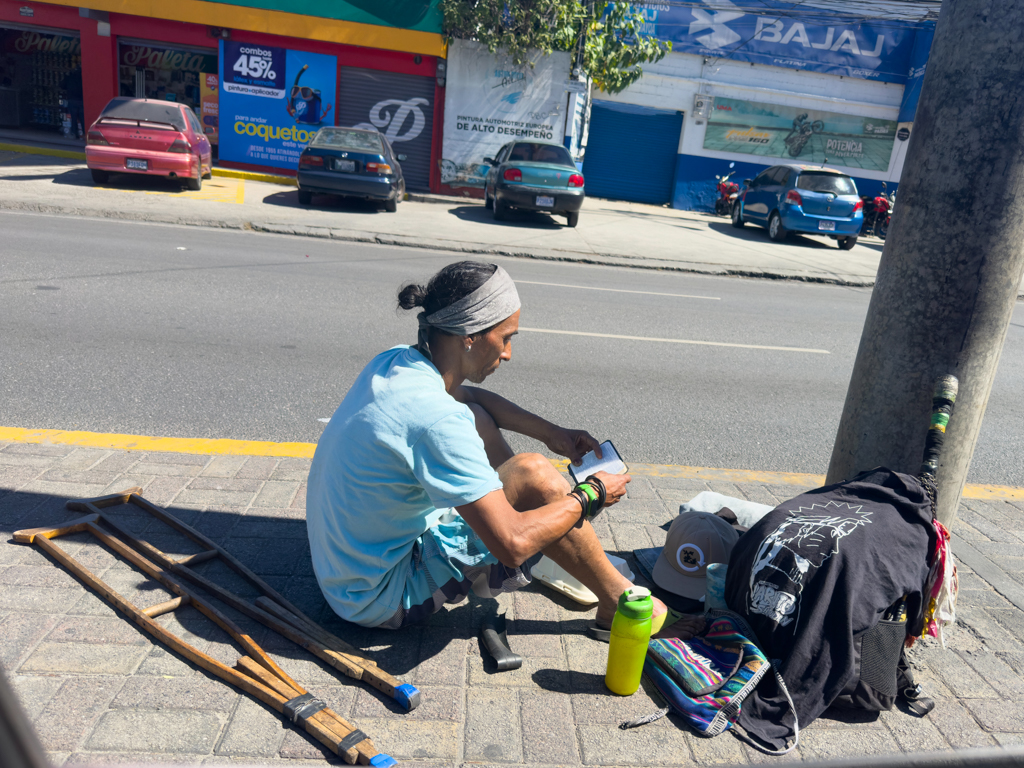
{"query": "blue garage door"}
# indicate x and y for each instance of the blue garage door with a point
(631, 152)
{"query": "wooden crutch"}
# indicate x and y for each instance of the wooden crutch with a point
(255, 673)
(271, 609)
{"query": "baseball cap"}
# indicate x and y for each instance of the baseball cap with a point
(695, 540)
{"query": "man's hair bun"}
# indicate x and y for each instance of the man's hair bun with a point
(412, 296)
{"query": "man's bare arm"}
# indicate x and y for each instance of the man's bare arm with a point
(572, 443)
(514, 536)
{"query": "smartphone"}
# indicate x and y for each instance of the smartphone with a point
(609, 462)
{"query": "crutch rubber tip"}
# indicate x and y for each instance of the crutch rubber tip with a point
(408, 696)
(382, 761)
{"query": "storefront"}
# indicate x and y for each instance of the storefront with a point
(755, 90)
(339, 64)
(40, 78)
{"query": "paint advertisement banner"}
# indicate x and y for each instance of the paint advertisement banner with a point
(799, 135)
(489, 102)
(810, 38)
(272, 100)
(209, 106)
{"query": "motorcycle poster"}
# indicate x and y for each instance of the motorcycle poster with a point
(272, 101)
(800, 135)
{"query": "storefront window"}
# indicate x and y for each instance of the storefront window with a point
(40, 81)
(182, 75)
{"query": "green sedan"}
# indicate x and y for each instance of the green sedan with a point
(533, 176)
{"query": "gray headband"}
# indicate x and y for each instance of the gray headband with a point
(494, 301)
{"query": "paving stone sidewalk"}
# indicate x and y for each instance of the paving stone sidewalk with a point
(100, 692)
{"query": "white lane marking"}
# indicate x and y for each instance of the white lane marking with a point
(325, 421)
(678, 341)
(620, 290)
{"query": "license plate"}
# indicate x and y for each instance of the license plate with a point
(345, 166)
(137, 165)
(545, 202)
(827, 226)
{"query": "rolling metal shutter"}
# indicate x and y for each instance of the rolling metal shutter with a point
(399, 106)
(631, 152)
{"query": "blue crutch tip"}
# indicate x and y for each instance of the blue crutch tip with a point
(408, 696)
(382, 761)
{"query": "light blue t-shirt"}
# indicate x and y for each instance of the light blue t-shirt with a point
(398, 453)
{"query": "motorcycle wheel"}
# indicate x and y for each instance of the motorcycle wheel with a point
(883, 230)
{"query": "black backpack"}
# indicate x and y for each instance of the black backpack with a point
(832, 584)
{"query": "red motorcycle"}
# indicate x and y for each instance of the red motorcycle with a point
(877, 213)
(727, 192)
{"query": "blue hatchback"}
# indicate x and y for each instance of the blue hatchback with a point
(802, 198)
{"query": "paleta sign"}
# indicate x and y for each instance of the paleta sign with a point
(167, 58)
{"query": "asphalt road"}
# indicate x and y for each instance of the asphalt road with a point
(188, 332)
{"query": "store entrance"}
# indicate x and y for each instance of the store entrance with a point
(41, 82)
(186, 75)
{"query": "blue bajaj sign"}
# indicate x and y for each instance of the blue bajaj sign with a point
(818, 40)
(272, 101)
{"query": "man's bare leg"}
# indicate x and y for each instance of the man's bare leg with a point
(530, 481)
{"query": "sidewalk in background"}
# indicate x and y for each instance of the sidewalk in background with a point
(617, 233)
(100, 691)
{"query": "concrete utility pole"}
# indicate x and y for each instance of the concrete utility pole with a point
(954, 258)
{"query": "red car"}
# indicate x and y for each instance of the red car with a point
(148, 136)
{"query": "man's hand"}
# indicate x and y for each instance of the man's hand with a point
(573, 443)
(614, 485)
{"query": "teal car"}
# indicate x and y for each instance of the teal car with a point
(533, 176)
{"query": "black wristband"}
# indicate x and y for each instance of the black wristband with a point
(591, 496)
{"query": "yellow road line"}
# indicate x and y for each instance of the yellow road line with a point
(240, 192)
(210, 447)
(677, 341)
(117, 442)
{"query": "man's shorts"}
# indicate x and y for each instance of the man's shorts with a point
(448, 562)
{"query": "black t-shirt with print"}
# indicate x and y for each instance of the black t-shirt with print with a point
(816, 573)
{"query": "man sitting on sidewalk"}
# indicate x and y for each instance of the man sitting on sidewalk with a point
(415, 498)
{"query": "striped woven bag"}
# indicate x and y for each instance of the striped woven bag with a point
(705, 680)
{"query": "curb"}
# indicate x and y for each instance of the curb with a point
(228, 447)
(28, 150)
(429, 197)
(268, 178)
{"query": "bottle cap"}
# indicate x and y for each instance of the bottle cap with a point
(636, 603)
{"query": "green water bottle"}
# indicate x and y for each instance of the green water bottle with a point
(631, 632)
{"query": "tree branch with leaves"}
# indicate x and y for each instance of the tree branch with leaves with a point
(609, 38)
